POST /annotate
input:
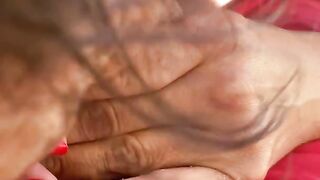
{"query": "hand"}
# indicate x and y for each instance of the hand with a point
(221, 92)
(37, 171)
(37, 107)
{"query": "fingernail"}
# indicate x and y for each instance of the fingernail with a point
(61, 149)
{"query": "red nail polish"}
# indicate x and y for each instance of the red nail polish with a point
(61, 149)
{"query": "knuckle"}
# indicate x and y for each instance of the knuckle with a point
(102, 116)
(54, 165)
(247, 118)
(238, 102)
(113, 118)
(127, 14)
(154, 67)
(129, 155)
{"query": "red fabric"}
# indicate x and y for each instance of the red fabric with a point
(301, 164)
(290, 14)
(304, 162)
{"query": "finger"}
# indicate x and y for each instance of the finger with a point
(61, 149)
(109, 118)
(139, 67)
(118, 70)
(128, 155)
(190, 173)
(106, 119)
(127, 15)
(189, 7)
(39, 172)
(142, 59)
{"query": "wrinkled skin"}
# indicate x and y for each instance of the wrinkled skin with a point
(199, 96)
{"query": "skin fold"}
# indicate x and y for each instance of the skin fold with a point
(227, 90)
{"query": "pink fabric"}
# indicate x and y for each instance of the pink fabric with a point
(301, 164)
(304, 162)
(294, 14)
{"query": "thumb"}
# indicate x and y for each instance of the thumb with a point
(39, 172)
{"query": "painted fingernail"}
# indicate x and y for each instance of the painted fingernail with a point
(61, 149)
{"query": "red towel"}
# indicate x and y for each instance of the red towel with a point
(289, 14)
(304, 162)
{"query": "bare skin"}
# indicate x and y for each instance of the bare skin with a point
(250, 76)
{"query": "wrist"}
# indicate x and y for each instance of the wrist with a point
(301, 121)
(309, 99)
(309, 56)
